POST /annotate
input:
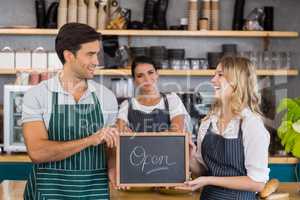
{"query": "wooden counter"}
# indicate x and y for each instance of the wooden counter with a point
(13, 190)
(23, 157)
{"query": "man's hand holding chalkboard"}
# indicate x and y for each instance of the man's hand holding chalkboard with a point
(106, 135)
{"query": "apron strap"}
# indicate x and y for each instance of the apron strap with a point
(54, 98)
(97, 104)
(164, 98)
(96, 101)
(166, 102)
(240, 129)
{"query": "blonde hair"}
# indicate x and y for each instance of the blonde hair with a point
(241, 75)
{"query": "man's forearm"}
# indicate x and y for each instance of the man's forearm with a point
(111, 164)
(48, 150)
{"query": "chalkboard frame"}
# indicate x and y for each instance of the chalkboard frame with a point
(149, 134)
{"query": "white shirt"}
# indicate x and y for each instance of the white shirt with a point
(37, 101)
(256, 140)
(176, 107)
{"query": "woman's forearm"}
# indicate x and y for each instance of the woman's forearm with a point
(196, 168)
(236, 182)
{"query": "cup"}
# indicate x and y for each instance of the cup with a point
(175, 64)
(286, 57)
(203, 63)
(267, 59)
(276, 60)
(195, 63)
(185, 64)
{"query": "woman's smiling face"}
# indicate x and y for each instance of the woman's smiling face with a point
(223, 89)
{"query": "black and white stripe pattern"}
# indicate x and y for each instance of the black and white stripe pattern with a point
(224, 157)
(81, 176)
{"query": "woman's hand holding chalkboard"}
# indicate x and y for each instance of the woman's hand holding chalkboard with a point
(194, 184)
(105, 135)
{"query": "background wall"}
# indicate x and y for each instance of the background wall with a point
(287, 18)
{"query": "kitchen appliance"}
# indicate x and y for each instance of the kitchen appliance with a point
(269, 18)
(13, 135)
(40, 9)
(51, 17)
(238, 16)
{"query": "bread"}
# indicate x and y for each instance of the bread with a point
(278, 196)
(270, 187)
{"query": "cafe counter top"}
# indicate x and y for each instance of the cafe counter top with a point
(13, 190)
(23, 157)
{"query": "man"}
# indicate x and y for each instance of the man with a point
(66, 124)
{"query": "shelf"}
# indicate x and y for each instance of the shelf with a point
(157, 33)
(171, 72)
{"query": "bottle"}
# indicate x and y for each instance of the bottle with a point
(72, 11)
(82, 12)
(92, 14)
(102, 15)
(62, 13)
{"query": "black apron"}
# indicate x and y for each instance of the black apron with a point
(224, 157)
(156, 121)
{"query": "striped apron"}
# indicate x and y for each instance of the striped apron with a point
(156, 121)
(80, 176)
(224, 157)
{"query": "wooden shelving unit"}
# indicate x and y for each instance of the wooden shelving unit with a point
(158, 33)
(171, 72)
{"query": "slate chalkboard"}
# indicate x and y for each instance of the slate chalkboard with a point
(152, 159)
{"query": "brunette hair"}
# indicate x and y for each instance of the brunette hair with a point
(71, 36)
(141, 60)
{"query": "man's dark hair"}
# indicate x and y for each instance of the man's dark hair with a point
(141, 60)
(71, 36)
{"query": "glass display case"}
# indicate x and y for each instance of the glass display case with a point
(13, 136)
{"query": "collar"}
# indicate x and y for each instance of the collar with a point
(54, 85)
(244, 114)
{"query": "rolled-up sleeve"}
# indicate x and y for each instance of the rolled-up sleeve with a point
(256, 145)
(31, 107)
(109, 105)
(123, 111)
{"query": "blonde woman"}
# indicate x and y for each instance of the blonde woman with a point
(231, 159)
